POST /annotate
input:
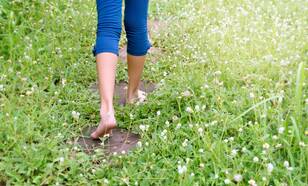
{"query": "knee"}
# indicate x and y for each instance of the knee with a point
(107, 38)
(109, 18)
(109, 27)
(137, 37)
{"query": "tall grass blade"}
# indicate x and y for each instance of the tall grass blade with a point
(298, 93)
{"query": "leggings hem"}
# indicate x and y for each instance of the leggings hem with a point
(140, 53)
(96, 52)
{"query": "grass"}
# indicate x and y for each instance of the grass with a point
(232, 103)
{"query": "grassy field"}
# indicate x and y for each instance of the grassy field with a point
(231, 108)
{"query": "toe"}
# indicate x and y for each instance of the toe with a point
(94, 135)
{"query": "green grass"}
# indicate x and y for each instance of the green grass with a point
(239, 66)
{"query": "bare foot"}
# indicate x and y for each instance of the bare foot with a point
(107, 123)
(138, 97)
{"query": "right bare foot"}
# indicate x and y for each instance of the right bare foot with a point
(107, 123)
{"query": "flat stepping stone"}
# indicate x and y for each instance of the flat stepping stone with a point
(120, 142)
(120, 89)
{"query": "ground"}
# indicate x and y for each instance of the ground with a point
(231, 105)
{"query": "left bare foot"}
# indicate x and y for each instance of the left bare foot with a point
(107, 123)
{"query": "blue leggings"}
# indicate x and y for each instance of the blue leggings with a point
(109, 26)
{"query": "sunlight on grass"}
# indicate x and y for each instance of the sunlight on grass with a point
(231, 105)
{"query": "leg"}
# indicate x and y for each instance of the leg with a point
(106, 70)
(135, 21)
(135, 69)
(106, 51)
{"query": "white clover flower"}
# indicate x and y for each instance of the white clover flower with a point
(201, 150)
(251, 95)
(167, 123)
(302, 144)
(234, 152)
(163, 134)
(189, 110)
(28, 92)
(255, 159)
(197, 108)
(106, 181)
(214, 123)
(206, 86)
(200, 130)
(201, 165)
(192, 174)
(162, 81)
(178, 126)
(237, 177)
(61, 159)
(244, 149)
(184, 144)
(266, 146)
(252, 182)
(227, 181)
(182, 169)
(139, 144)
(1, 87)
(240, 129)
(281, 130)
(270, 167)
(63, 81)
(158, 113)
(144, 127)
(75, 115)
(174, 118)
(186, 93)
(286, 164)
(275, 137)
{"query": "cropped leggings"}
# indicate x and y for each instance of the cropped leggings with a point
(109, 26)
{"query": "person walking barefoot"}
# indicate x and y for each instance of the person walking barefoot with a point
(106, 51)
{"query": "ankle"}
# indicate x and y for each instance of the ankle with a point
(132, 94)
(106, 109)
